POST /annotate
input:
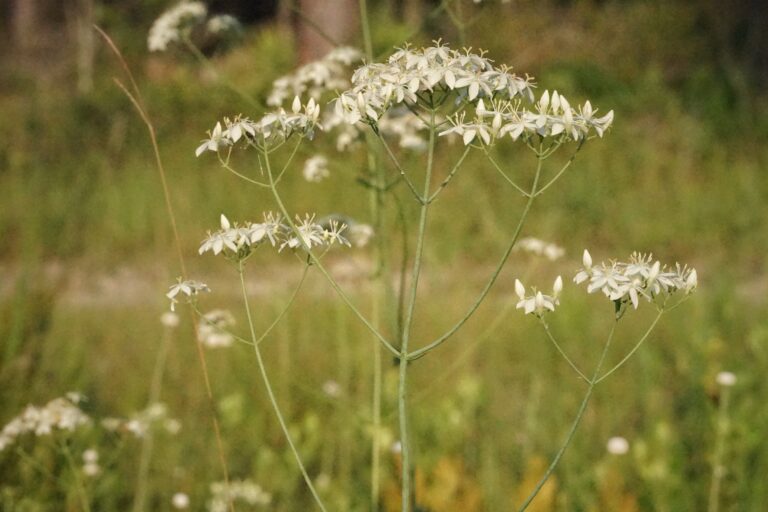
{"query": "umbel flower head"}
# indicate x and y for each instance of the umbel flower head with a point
(174, 24)
(271, 130)
(411, 73)
(641, 276)
(538, 303)
(59, 414)
(238, 242)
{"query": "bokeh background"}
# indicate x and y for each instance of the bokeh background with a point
(86, 254)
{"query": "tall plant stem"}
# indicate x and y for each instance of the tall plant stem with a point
(416, 354)
(137, 101)
(84, 502)
(316, 261)
(575, 424)
(147, 442)
(402, 391)
(379, 290)
(270, 393)
(717, 459)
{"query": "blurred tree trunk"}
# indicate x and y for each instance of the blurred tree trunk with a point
(323, 25)
(85, 44)
(25, 21)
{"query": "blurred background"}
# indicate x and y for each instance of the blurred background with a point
(86, 254)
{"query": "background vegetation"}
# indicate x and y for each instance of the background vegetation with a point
(86, 253)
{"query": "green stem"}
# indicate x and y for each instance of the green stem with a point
(316, 262)
(561, 171)
(504, 175)
(575, 424)
(76, 474)
(403, 373)
(562, 352)
(374, 200)
(416, 354)
(450, 176)
(421, 199)
(634, 349)
(717, 459)
(272, 399)
(147, 442)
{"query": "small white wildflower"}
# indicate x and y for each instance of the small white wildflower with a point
(316, 169)
(332, 388)
(237, 490)
(360, 234)
(213, 329)
(174, 24)
(169, 319)
(617, 446)
(189, 289)
(538, 303)
(640, 277)
(91, 462)
(60, 414)
(726, 379)
(216, 140)
(180, 501)
(540, 248)
(223, 24)
(397, 447)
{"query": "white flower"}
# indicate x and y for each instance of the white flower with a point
(316, 78)
(537, 303)
(237, 490)
(217, 138)
(316, 169)
(189, 289)
(180, 501)
(60, 414)
(360, 234)
(174, 24)
(726, 379)
(213, 328)
(640, 277)
(332, 388)
(169, 319)
(223, 24)
(541, 248)
(617, 446)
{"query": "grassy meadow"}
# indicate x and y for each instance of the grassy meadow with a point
(87, 254)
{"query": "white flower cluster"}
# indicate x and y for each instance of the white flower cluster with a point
(552, 116)
(174, 24)
(141, 422)
(411, 74)
(640, 277)
(237, 490)
(271, 130)
(187, 18)
(213, 329)
(239, 241)
(58, 414)
(538, 303)
(316, 169)
(540, 248)
(316, 78)
(187, 290)
(223, 24)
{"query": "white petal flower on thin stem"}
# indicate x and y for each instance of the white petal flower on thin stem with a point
(640, 277)
(538, 303)
(188, 289)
